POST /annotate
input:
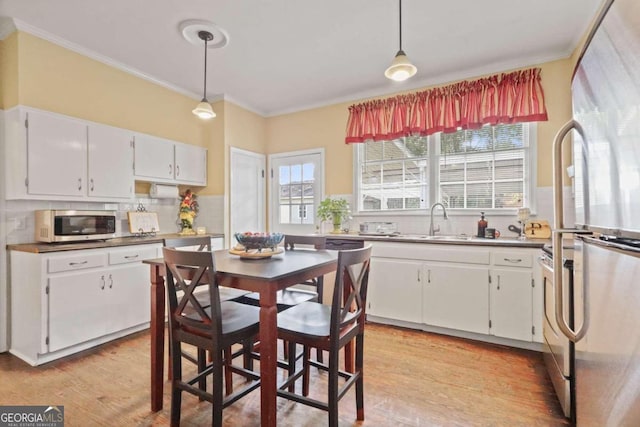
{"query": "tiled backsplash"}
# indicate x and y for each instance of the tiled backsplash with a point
(20, 218)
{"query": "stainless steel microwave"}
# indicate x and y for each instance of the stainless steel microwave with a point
(70, 226)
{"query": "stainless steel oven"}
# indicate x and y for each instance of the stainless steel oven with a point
(559, 351)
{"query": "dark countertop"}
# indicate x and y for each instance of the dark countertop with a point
(446, 240)
(41, 248)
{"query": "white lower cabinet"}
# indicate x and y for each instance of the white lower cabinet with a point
(65, 302)
(395, 290)
(480, 290)
(456, 297)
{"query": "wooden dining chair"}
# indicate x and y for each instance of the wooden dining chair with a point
(330, 328)
(310, 290)
(203, 243)
(212, 327)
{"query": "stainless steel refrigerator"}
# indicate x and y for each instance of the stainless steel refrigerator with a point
(605, 132)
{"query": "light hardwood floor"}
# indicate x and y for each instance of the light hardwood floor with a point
(411, 379)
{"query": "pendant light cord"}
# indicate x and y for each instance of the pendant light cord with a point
(400, 19)
(204, 96)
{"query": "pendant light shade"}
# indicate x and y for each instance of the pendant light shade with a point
(204, 110)
(401, 68)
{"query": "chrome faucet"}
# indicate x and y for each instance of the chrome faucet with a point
(432, 229)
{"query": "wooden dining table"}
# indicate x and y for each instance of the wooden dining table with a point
(265, 276)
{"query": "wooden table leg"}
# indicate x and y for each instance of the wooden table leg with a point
(268, 356)
(157, 337)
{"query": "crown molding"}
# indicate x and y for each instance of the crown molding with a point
(394, 88)
(6, 27)
(24, 27)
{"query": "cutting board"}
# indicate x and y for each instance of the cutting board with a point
(537, 229)
(143, 222)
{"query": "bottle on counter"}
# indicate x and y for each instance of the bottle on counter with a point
(482, 225)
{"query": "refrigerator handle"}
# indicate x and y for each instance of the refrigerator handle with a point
(559, 230)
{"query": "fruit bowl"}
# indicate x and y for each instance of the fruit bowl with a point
(259, 241)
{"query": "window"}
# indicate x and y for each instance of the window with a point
(486, 168)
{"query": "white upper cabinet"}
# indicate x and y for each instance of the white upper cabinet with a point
(54, 157)
(191, 164)
(153, 158)
(110, 161)
(165, 161)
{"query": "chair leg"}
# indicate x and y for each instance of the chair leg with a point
(305, 365)
(285, 350)
(319, 357)
(291, 349)
(202, 364)
(176, 393)
(247, 360)
(360, 381)
(217, 387)
(333, 388)
(228, 375)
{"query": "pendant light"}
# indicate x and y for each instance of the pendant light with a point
(204, 109)
(400, 69)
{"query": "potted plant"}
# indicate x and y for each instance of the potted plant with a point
(336, 210)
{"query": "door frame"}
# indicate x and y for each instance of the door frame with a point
(272, 157)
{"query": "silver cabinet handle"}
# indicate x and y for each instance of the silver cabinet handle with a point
(110, 282)
(74, 264)
(79, 184)
(513, 260)
(429, 276)
(102, 282)
(131, 256)
(419, 278)
(170, 169)
(91, 181)
(498, 282)
(177, 170)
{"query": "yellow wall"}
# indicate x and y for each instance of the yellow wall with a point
(9, 71)
(326, 126)
(56, 79)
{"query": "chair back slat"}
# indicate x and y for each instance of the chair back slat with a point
(185, 271)
(318, 242)
(203, 243)
(350, 290)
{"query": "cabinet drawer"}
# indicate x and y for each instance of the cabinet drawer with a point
(132, 255)
(512, 259)
(76, 262)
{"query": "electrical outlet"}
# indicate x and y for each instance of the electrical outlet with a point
(19, 223)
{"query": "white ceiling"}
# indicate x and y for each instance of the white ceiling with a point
(289, 55)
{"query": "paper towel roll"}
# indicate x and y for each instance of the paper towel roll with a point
(159, 191)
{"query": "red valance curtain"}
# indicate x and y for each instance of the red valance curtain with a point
(509, 98)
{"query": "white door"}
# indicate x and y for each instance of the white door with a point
(57, 155)
(295, 191)
(247, 188)
(110, 162)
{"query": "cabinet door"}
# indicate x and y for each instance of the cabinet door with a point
(511, 304)
(110, 162)
(56, 155)
(76, 308)
(153, 158)
(395, 289)
(128, 290)
(191, 164)
(456, 297)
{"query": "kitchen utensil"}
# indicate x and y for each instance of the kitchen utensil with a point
(537, 229)
(514, 229)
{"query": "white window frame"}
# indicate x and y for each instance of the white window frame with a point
(273, 204)
(530, 180)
